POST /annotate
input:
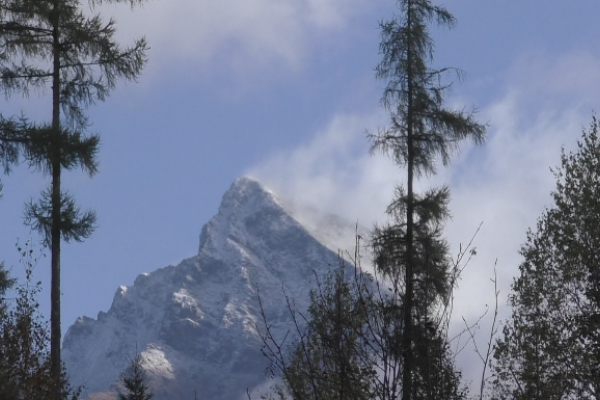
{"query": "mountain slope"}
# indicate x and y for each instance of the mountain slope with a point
(195, 323)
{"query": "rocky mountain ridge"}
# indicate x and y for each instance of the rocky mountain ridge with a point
(195, 324)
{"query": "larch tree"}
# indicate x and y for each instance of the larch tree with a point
(387, 339)
(53, 42)
(550, 346)
(9, 150)
(422, 132)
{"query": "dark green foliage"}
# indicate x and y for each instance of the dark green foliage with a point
(13, 133)
(421, 131)
(25, 367)
(6, 283)
(330, 358)
(54, 43)
(135, 381)
(76, 150)
(349, 343)
(430, 251)
(36, 33)
(388, 338)
(24, 341)
(411, 251)
(550, 347)
(75, 224)
(79, 56)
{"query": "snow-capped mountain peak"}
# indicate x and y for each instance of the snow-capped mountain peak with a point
(195, 324)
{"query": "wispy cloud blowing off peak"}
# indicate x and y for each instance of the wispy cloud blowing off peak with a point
(505, 184)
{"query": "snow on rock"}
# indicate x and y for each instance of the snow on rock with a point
(195, 324)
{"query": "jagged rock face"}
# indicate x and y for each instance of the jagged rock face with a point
(195, 324)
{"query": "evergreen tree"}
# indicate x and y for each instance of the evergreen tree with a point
(331, 361)
(24, 342)
(54, 42)
(400, 343)
(6, 283)
(347, 346)
(135, 381)
(9, 149)
(410, 251)
(330, 358)
(550, 347)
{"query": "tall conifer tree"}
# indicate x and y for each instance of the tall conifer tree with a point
(411, 251)
(53, 42)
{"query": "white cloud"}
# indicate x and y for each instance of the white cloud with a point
(544, 78)
(334, 171)
(506, 184)
(232, 34)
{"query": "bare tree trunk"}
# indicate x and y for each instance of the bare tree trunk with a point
(55, 331)
(408, 295)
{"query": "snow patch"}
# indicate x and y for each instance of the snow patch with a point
(197, 321)
(154, 361)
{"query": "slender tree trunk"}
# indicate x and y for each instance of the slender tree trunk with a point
(408, 295)
(55, 334)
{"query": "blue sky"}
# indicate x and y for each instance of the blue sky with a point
(284, 90)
